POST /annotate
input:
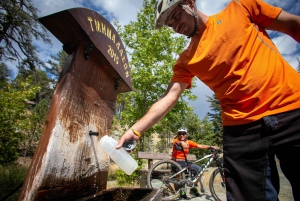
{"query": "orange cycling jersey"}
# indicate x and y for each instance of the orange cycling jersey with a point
(234, 56)
(177, 154)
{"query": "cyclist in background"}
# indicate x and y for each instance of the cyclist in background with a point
(178, 156)
(259, 92)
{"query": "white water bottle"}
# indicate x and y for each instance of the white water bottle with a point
(119, 156)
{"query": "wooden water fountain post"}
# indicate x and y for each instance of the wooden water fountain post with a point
(69, 162)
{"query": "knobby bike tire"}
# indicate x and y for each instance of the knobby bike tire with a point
(159, 177)
(217, 185)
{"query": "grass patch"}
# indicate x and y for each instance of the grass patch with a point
(11, 176)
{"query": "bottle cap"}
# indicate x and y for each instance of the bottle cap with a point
(129, 145)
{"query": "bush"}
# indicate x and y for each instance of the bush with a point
(11, 176)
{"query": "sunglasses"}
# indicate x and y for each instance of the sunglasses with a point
(181, 133)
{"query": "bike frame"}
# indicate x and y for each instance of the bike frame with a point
(187, 168)
(211, 158)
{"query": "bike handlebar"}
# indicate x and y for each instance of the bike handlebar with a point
(219, 151)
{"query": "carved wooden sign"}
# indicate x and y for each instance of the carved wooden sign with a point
(100, 38)
(69, 162)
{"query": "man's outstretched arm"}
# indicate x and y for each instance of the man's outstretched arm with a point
(287, 23)
(156, 112)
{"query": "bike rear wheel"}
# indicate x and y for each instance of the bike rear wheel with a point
(217, 185)
(161, 176)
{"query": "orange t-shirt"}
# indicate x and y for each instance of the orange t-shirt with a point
(179, 154)
(236, 58)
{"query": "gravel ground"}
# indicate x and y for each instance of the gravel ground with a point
(285, 193)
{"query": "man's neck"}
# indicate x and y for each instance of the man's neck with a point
(202, 19)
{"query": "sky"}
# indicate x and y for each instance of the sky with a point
(125, 11)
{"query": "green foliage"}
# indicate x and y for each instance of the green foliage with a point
(11, 176)
(124, 179)
(38, 77)
(37, 107)
(13, 112)
(32, 127)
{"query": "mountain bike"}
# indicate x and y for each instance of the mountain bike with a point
(171, 178)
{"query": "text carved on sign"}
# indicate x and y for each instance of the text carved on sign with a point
(101, 27)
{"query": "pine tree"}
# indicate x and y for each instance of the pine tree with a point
(18, 25)
(56, 65)
(5, 75)
(216, 118)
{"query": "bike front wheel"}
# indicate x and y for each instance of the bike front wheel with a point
(162, 175)
(217, 185)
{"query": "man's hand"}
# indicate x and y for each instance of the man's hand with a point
(214, 147)
(128, 135)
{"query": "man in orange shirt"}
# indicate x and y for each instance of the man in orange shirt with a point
(259, 92)
(178, 155)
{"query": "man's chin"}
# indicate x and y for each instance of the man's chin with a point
(187, 34)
